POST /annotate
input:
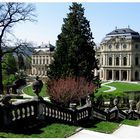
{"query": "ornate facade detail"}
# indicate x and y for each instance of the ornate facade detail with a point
(119, 55)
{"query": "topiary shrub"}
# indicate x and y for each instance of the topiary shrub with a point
(69, 90)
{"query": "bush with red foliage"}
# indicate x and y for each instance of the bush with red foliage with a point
(69, 90)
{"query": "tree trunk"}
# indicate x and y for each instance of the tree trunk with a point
(1, 84)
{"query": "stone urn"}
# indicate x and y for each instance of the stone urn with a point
(37, 86)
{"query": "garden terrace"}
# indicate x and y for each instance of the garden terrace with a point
(37, 110)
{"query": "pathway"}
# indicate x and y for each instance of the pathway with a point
(111, 87)
(125, 131)
(29, 96)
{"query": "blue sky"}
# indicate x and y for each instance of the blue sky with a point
(103, 17)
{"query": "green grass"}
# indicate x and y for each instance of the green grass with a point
(50, 131)
(131, 122)
(103, 88)
(105, 127)
(120, 86)
(28, 90)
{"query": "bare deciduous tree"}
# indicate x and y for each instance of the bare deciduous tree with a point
(10, 15)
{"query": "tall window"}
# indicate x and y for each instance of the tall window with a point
(124, 61)
(110, 60)
(40, 60)
(136, 61)
(117, 61)
(136, 46)
(102, 61)
(36, 59)
(47, 61)
(136, 75)
(110, 46)
(117, 46)
(43, 59)
(33, 61)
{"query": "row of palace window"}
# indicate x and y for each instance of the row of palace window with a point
(117, 46)
(118, 61)
(124, 61)
(40, 61)
(40, 71)
(124, 46)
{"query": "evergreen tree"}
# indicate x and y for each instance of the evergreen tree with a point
(9, 64)
(74, 55)
(21, 63)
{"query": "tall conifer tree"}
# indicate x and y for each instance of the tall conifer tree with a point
(74, 55)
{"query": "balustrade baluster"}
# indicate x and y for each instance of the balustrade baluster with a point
(46, 111)
(32, 110)
(13, 115)
(28, 111)
(18, 114)
(55, 114)
(25, 111)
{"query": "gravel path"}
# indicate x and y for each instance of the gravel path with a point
(111, 87)
(125, 131)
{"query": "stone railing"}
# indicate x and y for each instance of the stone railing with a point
(37, 110)
(20, 112)
(34, 110)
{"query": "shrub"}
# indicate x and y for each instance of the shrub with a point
(68, 90)
(9, 80)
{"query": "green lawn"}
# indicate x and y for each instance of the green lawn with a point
(103, 88)
(28, 90)
(50, 131)
(120, 86)
(105, 127)
(57, 130)
(131, 122)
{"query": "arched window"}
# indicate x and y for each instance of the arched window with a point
(136, 75)
(40, 60)
(136, 46)
(136, 61)
(124, 46)
(110, 46)
(117, 46)
(110, 60)
(124, 61)
(117, 61)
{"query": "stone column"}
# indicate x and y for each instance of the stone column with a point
(129, 59)
(113, 75)
(130, 75)
(113, 60)
(120, 62)
(105, 59)
(105, 74)
(120, 75)
(127, 75)
(35, 59)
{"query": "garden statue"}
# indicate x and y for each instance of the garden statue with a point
(88, 100)
(37, 86)
(115, 103)
(132, 106)
(138, 107)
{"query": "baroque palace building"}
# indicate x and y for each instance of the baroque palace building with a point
(41, 59)
(119, 55)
